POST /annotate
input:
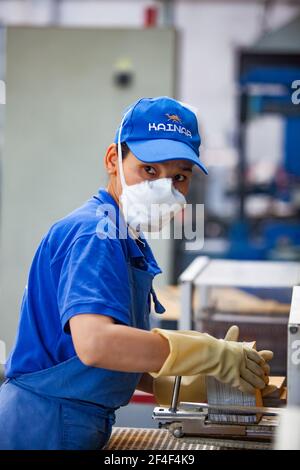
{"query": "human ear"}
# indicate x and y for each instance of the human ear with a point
(111, 160)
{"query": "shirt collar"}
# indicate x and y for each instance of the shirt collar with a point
(137, 249)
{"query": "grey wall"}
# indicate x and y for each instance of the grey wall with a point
(285, 39)
(61, 113)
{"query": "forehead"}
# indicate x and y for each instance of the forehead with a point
(176, 164)
(179, 164)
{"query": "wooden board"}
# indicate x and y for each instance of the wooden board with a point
(222, 299)
(279, 382)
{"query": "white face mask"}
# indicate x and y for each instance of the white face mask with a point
(149, 205)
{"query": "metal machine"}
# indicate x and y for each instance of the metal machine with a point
(193, 419)
(294, 350)
(197, 420)
(256, 295)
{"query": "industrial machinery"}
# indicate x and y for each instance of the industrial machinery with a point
(194, 419)
(256, 295)
(198, 420)
(294, 350)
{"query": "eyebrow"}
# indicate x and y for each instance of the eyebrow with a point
(180, 167)
(186, 168)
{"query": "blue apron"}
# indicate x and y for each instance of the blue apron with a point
(70, 405)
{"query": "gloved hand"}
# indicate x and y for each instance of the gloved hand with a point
(192, 388)
(233, 335)
(193, 353)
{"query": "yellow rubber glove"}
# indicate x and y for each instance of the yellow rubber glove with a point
(193, 353)
(192, 388)
(233, 335)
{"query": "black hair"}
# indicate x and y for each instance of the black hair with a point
(125, 149)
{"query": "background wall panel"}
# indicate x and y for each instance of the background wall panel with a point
(62, 110)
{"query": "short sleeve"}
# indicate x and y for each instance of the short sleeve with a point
(94, 279)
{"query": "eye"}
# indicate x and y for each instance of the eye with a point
(179, 178)
(150, 170)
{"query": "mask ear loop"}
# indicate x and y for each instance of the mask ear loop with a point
(120, 158)
(122, 177)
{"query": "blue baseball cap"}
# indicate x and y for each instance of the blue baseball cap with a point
(161, 129)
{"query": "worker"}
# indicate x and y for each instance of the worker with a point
(83, 343)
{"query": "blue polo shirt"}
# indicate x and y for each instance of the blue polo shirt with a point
(79, 267)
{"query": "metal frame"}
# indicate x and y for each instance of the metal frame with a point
(293, 397)
(204, 273)
(192, 419)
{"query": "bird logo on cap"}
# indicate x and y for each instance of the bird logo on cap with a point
(173, 118)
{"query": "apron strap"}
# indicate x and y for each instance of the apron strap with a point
(159, 308)
(133, 310)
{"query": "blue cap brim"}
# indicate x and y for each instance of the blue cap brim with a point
(162, 150)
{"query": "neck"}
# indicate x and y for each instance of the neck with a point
(111, 190)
